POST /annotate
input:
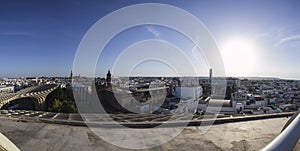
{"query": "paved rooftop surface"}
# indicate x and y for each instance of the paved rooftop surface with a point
(248, 135)
(130, 120)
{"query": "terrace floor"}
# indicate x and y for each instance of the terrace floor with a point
(246, 135)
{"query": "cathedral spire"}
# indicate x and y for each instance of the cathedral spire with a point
(71, 75)
(108, 78)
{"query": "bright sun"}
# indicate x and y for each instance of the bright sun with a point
(238, 56)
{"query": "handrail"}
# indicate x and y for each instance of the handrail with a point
(287, 139)
(6, 144)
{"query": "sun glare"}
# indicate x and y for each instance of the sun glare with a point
(238, 57)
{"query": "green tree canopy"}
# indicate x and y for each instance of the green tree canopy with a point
(61, 100)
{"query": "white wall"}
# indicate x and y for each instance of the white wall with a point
(187, 106)
(7, 89)
(188, 92)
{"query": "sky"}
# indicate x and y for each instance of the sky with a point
(255, 38)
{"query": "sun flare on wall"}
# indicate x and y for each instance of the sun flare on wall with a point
(238, 56)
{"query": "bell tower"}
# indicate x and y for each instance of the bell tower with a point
(71, 76)
(108, 78)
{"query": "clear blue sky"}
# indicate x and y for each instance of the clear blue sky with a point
(40, 38)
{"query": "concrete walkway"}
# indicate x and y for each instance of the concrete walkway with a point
(247, 135)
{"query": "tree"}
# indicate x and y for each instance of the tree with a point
(229, 91)
(57, 105)
(61, 100)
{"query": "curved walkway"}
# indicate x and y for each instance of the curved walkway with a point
(39, 92)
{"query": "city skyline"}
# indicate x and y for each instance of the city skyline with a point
(256, 39)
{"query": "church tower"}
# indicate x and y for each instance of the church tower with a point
(210, 76)
(71, 76)
(108, 78)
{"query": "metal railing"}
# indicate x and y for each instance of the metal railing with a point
(288, 138)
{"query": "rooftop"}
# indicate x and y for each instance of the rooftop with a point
(247, 135)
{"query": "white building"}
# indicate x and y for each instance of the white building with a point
(187, 106)
(239, 101)
(6, 89)
(188, 92)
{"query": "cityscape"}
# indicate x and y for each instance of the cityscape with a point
(149, 75)
(243, 96)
